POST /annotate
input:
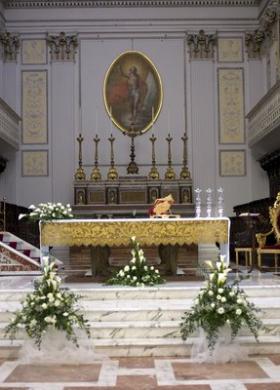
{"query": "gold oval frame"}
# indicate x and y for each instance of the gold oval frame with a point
(130, 131)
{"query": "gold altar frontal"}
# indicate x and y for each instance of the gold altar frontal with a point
(102, 234)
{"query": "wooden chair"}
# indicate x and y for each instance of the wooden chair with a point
(263, 247)
(248, 251)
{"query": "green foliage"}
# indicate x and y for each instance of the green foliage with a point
(48, 211)
(137, 273)
(219, 304)
(48, 306)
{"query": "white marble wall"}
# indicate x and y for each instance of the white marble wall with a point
(190, 94)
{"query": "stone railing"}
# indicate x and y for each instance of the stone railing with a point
(264, 118)
(9, 125)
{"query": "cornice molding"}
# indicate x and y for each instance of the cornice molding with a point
(127, 3)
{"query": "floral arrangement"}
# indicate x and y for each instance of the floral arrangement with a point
(48, 211)
(137, 273)
(218, 304)
(48, 306)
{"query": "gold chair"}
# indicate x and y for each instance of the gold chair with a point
(248, 251)
(263, 248)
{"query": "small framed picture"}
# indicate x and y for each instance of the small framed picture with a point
(35, 163)
(232, 162)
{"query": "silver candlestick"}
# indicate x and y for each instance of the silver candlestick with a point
(197, 202)
(220, 203)
(208, 202)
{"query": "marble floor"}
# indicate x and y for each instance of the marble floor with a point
(258, 373)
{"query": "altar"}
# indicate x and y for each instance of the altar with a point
(167, 234)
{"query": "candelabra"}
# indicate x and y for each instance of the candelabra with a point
(154, 174)
(220, 203)
(80, 173)
(209, 202)
(95, 174)
(169, 174)
(185, 173)
(197, 202)
(112, 173)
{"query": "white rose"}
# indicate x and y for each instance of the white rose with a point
(213, 305)
(133, 268)
(134, 277)
(228, 321)
(121, 273)
(57, 303)
(239, 301)
(196, 301)
(219, 297)
(145, 268)
(152, 268)
(238, 312)
(221, 277)
(220, 290)
(65, 314)
(33, 322)
(133, 260)
(44, 306)
(232, 293)
(157, 271)
(126, 268)
(128, 276)
(223, 299)
(221, 310)
(210, 293)
(50, 297)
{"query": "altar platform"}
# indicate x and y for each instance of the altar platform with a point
(127, 321)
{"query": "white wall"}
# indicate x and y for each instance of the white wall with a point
(190, 95)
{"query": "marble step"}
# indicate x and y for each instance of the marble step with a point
(153, 346)
(151, 329)
(163, 292)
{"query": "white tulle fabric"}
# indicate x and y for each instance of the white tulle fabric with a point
(55, 348)
(225, 349)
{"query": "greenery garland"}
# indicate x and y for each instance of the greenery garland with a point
(220, 304)
(137, 273)
(48, 306)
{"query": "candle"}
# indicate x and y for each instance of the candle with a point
(80, 118)
(96, 121)
(111, 127)
(168, 119)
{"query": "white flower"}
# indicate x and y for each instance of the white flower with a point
(128, 276)
(238, 312)
(133, 238)
(221, 277)
(65, 314)
(219, 297)
(121, 273)
(133, 260)
(57, 303)
(218, 265)
(44, 306)
(126, 268)
(221, 310)
(50, 297)
(211, 277)
(196, 301)
(33, 322)
(157, 271)
(32, 207)
(222, 258)
(220, 290)
(133, 267)
(213, 305)
(209, 263)
(232, 293)
(152, 268)
(134, 277)
(228, 321)
(210, 293)
(141, 253)
(145, 268)
(50, 319)
(223, 299)
(239, 301)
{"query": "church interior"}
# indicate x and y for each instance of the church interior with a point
(140, 157)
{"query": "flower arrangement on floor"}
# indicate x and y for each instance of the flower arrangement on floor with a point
(220, 304)
(137, 273)
(48, 306)
(48, 211)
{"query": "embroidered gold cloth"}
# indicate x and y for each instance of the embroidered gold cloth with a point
(117, 232)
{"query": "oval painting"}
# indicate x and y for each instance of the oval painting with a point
(133, 93)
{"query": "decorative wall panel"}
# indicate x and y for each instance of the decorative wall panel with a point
(34, 52)
(34, 107)
(34, 163)
(231, 106)
(232, 163)
(230, 50)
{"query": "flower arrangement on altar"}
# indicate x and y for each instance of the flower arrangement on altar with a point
(48, 307)
(220, 304)
(137, 273)
(48, 211)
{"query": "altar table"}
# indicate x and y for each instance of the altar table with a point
(166, 233)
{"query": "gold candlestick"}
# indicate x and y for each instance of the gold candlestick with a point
(185, 173)
(132, 166)
(169, 174)
(154, 174)
(95, 174)
(112, 173)
(80, 173)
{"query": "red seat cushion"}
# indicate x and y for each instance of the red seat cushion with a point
(277, 246)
